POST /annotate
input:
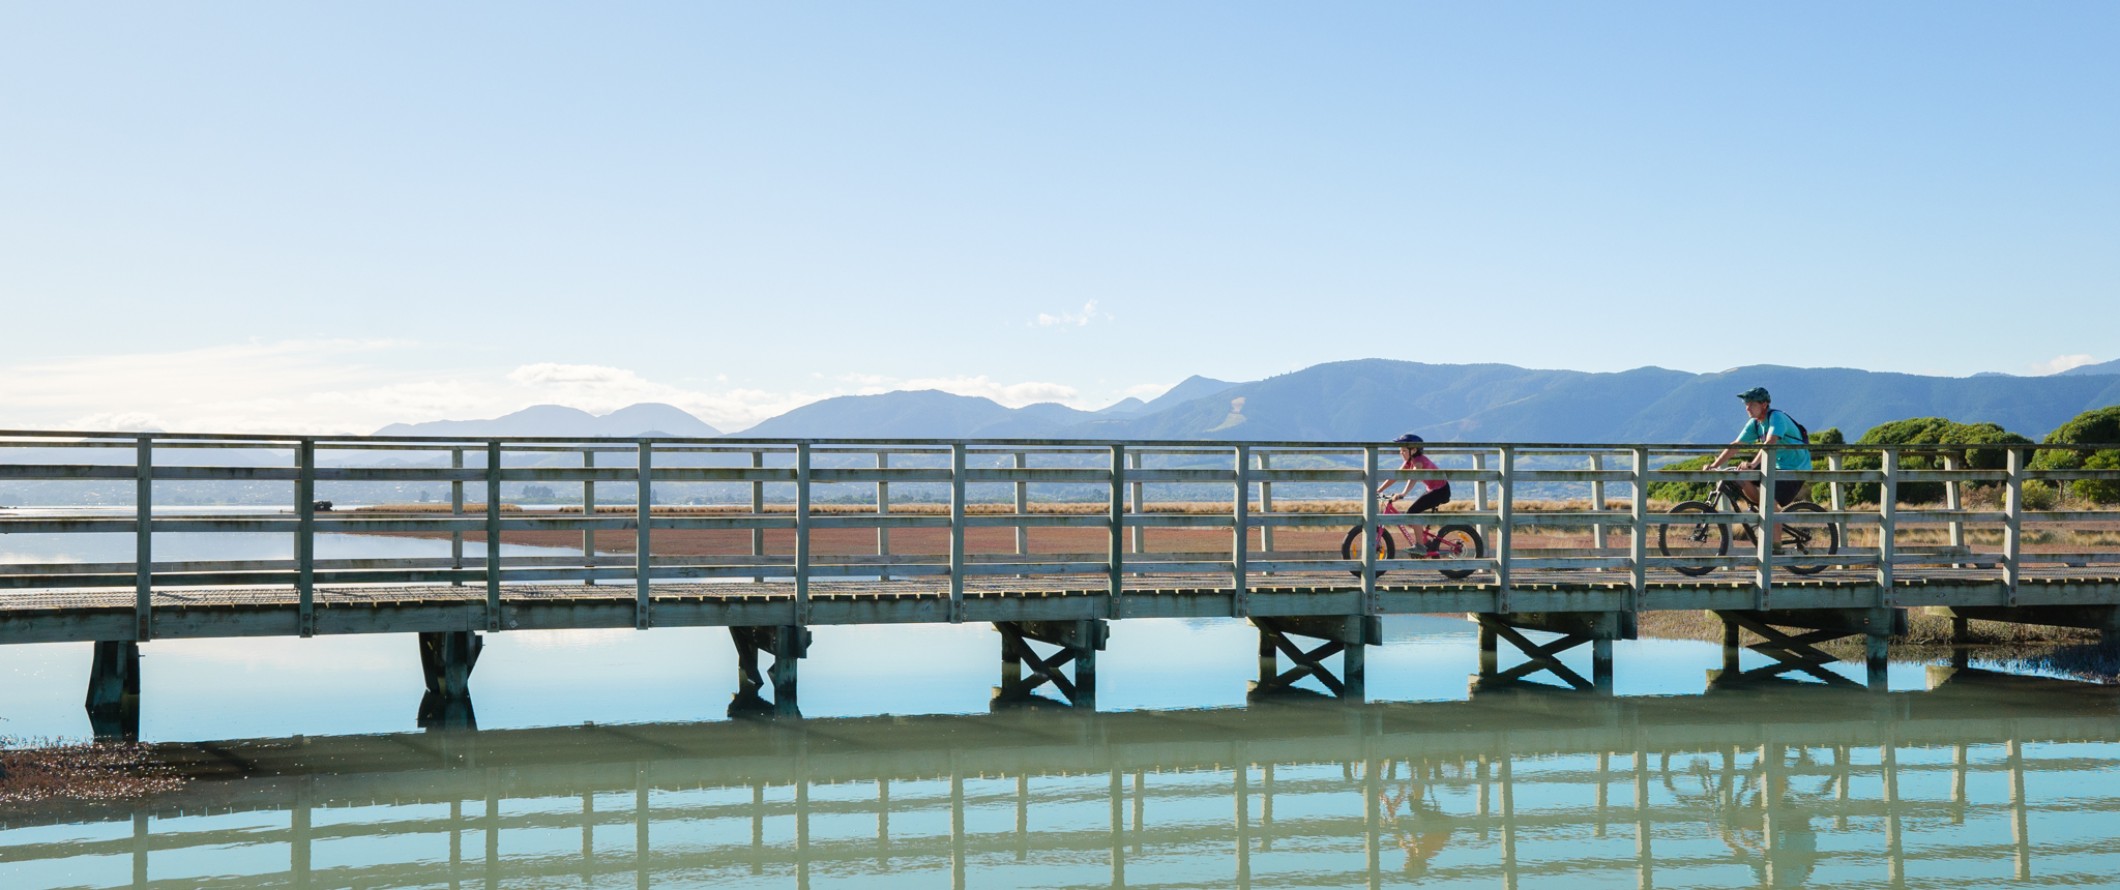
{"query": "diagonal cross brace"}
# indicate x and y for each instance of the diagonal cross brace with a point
(1541, 657)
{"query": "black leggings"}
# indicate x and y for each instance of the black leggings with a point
(1430, 499)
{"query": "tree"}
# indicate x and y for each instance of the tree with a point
(2099, 426)
(1964, 445)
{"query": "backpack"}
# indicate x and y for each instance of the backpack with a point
(1803, 434)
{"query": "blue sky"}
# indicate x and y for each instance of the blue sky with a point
(329, 217)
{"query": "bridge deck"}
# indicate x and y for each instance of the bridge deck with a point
(107, 613)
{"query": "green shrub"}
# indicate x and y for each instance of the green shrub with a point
(1966, 445)
(2099, 426)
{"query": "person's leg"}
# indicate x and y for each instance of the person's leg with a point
(1429, 500)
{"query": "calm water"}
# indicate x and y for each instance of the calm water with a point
(605, 759)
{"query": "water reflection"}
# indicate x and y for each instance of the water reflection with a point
(1982, 778)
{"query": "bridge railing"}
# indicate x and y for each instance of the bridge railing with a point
(653, 510)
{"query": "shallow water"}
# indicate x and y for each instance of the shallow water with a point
(903, 773)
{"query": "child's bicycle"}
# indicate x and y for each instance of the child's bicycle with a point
(1710, 534)
(1447, 542)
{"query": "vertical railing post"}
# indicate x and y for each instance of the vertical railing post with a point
(883, 508)
(1479, 489)
(1638, 538)
(456, 515)
(1265, 503)
(1953, 501)
(1839, 502)
(802, 535)
(1023, 505)
(957, 511)
(1597, 504)
(643, 534)
(2013, 524)
(493, 535)
(589, 515)
(1504, 528)
(1887, 537)
(144, 539)
(1140, 493)
(305, 535)
(758, 511)
(1763, 578)
(1370, 530)
(1240, 537)
(1116, 555)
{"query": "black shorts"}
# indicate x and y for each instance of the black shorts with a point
(1430, 499)
(1786, 491)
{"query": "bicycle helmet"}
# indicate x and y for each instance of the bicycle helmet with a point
(1408, 439)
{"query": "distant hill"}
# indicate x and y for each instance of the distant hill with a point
(919, 414)
(645, 419)
(1372, 399)
(2111, 367)
(1377, 398)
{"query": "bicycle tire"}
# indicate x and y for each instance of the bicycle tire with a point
(1347, 551)
(1458, 542)
(1702, 538)
(1808, 538)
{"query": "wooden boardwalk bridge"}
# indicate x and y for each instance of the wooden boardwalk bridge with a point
(1047, 540)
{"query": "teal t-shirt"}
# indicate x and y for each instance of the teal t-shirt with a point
(1784, 431)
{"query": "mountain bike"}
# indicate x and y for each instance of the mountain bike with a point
(1709, 535)
(1447, 542)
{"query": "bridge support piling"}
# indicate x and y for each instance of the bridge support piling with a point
(788, 644)
(1799, 652)
(113, 700)
(1599, 629)
(1078, 643)
(1344, 636)
(446, 659)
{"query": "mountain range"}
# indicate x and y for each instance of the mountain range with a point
(1371, 399)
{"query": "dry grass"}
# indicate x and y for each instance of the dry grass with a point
(47, 770)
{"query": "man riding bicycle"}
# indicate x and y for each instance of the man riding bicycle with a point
(1768, 426)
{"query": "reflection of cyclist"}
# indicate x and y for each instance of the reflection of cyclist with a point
(1438, 492)
(1767, 427)
(1429, 829)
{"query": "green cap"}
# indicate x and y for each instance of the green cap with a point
(1755, 394)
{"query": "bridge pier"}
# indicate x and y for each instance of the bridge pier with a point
(1799, 652)
(1344, 636)
(1078, 642)
(113, 700)
(446, 659)
(1599, 629)
(788, 644)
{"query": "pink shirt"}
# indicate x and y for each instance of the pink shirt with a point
(1421, 461)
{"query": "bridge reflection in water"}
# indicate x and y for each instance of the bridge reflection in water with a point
(1982, 778)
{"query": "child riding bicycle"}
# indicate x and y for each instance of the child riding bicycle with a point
(1438, 490)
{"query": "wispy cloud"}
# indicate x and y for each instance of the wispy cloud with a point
(338, 387)
(1088, 315)
(2061, 363)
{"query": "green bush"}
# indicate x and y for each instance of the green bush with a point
(2099, 426)
(1966, 445)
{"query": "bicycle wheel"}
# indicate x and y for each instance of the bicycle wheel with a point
(1458, 542)
(1705, 536)
(1354, 535)
(1808, 538)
